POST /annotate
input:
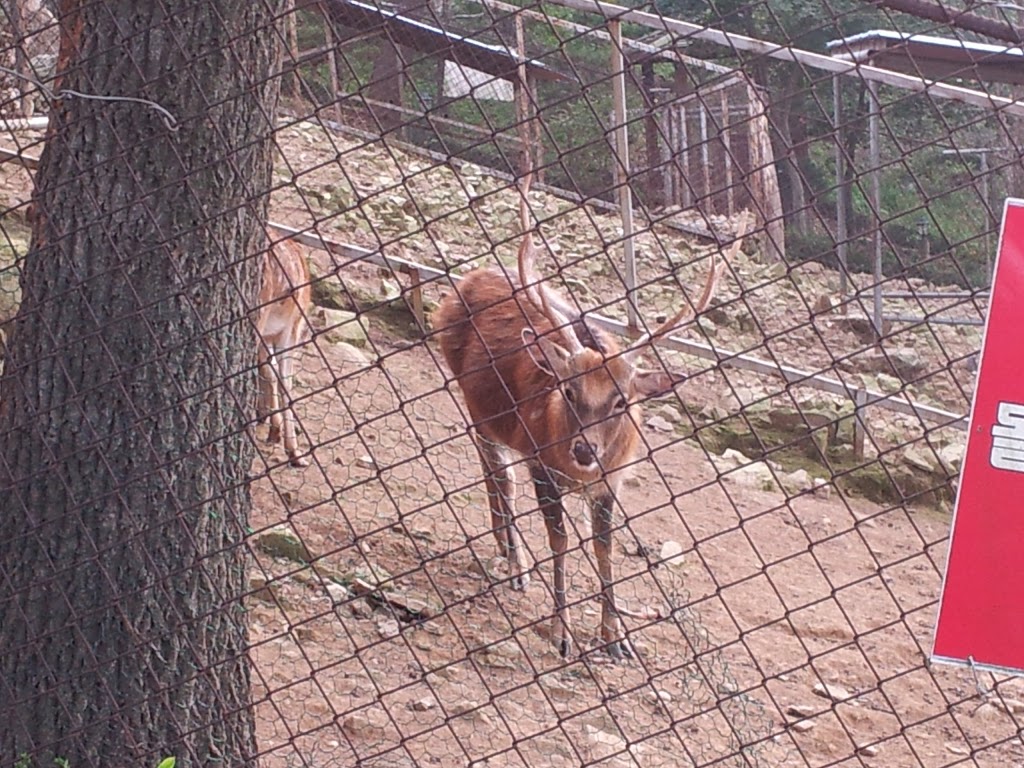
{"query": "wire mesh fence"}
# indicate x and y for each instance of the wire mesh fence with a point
(777, 538)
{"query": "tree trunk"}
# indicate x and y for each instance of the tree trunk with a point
(126, 394)
(793, 192)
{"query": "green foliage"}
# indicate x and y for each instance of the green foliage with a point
(167, 762)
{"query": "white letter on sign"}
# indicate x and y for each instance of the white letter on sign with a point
(1008, 438)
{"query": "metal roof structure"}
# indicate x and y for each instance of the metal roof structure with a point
(494, 60)
(932, 57)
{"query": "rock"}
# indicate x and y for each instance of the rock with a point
(802, 420)
(340, 326)
(347, 357)
(659, 424)
(907, 363)
(559, 692)
(951, 457)
(822, 488)
(366, 462)
(671, 553)
(329, 292)
(423, 705)
(338, 593)
(602, 743)
(868, 751)
(831, 692)
(799, 480)
(669, 413)
(369, 724)
(801, 710)
(824, 303)
(364, 579)
(388, 627)
(752, 398)
(281, 541)
(861, 326)
(464, 707)
(659, 697)
(360, 609)
(1010, 706)
(922, 457)
(887, 383)
(757, 475)
(802, 726)
(730, 459)
(504, 655)
(261, 589)
(713, 412)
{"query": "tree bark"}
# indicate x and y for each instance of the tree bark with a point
(126, 394)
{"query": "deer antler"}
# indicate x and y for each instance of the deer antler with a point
(686, 315)
(531, 282)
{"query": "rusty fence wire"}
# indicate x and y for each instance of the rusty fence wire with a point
(777, 546)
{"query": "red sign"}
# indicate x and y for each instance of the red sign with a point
(981, 612)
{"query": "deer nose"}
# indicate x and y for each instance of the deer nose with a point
(583, 453)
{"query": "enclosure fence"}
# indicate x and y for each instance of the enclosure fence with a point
(775, 543)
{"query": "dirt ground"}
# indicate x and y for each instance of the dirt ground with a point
(774, 595)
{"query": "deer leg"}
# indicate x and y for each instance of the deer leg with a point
(549, 497)
(612, 632)
(498, 480)
(285, 414)
(265, 401)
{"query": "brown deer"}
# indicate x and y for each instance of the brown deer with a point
(539, 381)
(281, 324)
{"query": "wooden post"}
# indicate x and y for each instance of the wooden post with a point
(622, 171)
(332, 65)
(705, 160)
(665, 158)
(860, 430)
(875, 189)
(730, 195)
(652, 141)
(842, 191)
(416, 299)
(684, 150)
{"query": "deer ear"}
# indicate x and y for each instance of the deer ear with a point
(655, 383)
(546, 354)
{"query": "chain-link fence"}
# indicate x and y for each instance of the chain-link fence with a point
(773, 525)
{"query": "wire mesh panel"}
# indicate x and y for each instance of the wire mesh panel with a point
(437, 556)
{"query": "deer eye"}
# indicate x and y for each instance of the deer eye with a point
(621, 404)
(570, 396)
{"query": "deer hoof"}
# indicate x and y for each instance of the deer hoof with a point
(565, 647)
(620, 650)
(274, 435)
(520, 581)
(298, 461)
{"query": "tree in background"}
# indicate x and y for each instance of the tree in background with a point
(126, 393)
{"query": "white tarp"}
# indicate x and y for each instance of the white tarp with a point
(463, 81)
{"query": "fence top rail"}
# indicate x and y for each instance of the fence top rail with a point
(636, 45)
(795, 376)
(495, 60)
(797, 55)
